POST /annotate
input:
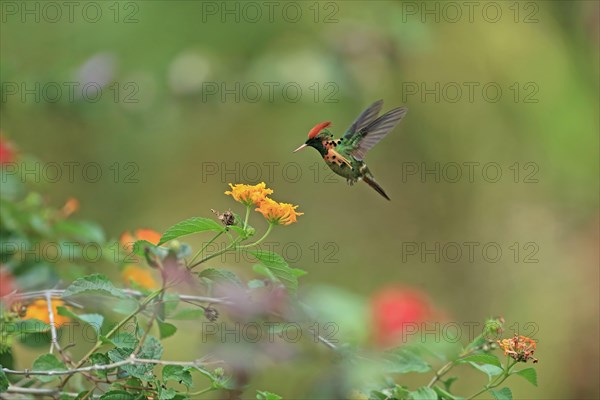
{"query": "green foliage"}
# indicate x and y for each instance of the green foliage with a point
(177, 373)
(94, 284)
(406, 359)
(128, 353)
(221, 276)
(3, 381)
(190, 226)
(263, 395)
(424, 393)
(48, 362)
(530, 374)
(278, 269)
(117, 395)
(502, 394)
(94, 320)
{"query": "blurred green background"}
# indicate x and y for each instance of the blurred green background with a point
(170, 114)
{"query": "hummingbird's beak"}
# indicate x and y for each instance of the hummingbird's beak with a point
(299, 148)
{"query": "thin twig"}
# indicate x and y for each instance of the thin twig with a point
(131, 292)
(103, 367)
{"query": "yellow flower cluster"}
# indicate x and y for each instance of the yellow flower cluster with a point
(39, 310)
(249, 194)
(278, 213)
(275, 212)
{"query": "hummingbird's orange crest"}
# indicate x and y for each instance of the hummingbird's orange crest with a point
(318, 128)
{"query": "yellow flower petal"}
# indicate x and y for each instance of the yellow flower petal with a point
(249, 194)
(39, 310)
(278, 213)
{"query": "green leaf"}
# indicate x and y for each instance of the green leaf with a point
(94, 320)
(263, 395)
(189, 226)
(405, 359)
(530, 374)
(125, 306)
(48, 362)
(139, 247)
(31, 326)
(449, 381)
(279, 268)
(424, 393)
(3, 381)
(188, 314)
(481, 359)
(100, 359)
(502, 394)
(94, 283)
(117, 395)
(151, 349)
(166, 393)
(179, 374)
(445, 395)
(124, 340)
(221, 275)
(488, 369)
(166, 329)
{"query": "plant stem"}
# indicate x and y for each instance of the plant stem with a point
(205, 246)
(259, 241)
(218, 253)
(199, 392)
(114, 330)
(497, 381)
(441, 372)
(246, 218)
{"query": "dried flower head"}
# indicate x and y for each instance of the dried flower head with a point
(211, 314)
(249, 194)
(227, 218)
(520, 348)
(278, 213)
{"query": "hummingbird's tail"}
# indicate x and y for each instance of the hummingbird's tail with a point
(371, 182)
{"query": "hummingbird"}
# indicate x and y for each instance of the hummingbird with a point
(345, 156)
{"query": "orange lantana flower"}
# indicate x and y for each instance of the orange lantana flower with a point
(520, 348)
(140, 276)
(249, 194)
(71, 206)
(39, 310)
(278, 213)
(127, 239)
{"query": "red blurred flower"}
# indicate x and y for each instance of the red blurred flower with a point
(7, 281)
(396, 311)
(7, 152)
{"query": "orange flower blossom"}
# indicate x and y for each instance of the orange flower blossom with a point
(39, 310)
(140, 275)
(127, 239)
(249, 194)
(278, 213)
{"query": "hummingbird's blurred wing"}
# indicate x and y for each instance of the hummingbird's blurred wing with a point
(371, 134)
(364, 118)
